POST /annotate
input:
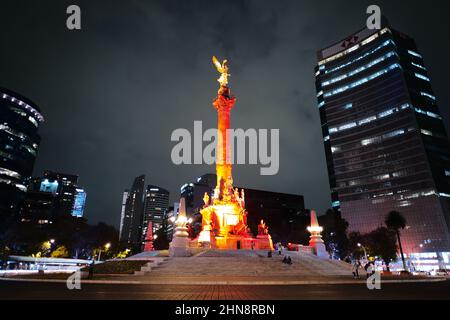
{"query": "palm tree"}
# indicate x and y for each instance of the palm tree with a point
(395, 221)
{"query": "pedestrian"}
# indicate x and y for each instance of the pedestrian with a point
(355, 267)
(280, 249)
(289, 261)
(370, 269)
(91, 270)
(253, 245)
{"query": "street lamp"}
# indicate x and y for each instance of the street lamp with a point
(107, 246)
(364, 249)
(410, 256)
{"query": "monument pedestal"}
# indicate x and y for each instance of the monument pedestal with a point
(318, 247)
(316, 243)
(179, 247)
(264, 242)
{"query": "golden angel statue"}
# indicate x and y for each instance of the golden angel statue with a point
(223, 69)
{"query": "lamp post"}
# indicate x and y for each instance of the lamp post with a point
(365, 252)
(107, 246)
(410, 258)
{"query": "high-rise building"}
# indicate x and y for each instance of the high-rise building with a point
(193, 192)
(67, 192)
(19, 142)
(131, 232)
(171, 217)
(55, 194)
(156, 207)
(123, 212)
(385, 142)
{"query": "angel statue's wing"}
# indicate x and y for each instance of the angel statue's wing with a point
(217, 64)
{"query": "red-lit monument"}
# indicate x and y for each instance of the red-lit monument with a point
(224, 218)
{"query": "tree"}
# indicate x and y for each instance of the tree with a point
(355, 238)
(335, 232)
(60, 252)
(95, 238)
(382, 243)
(395, 221)
(4, 254)
(161, 242)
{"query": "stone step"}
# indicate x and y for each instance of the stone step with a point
(244, 263)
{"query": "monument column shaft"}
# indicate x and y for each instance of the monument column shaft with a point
(223, 164)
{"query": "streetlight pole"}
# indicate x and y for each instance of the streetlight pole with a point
(365, 252)
(107, 246)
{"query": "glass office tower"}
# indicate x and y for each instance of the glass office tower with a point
(385, 142)
(132, 214)
(20, 119)
(156, 207)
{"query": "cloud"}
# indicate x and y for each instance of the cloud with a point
(113, 92)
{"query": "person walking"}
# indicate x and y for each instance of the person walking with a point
(91, 270)
(355, 269)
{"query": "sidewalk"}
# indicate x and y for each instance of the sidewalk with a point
(229, 280)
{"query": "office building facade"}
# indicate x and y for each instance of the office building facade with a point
(385, 143)
(131, 222)
(20, 119)
(156, 207)
(51, 196)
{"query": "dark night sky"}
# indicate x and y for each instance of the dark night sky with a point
(113, 92)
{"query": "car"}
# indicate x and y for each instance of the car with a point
(442, 273)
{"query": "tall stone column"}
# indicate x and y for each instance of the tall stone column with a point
(224, 103)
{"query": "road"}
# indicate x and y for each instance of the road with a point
(57, 291)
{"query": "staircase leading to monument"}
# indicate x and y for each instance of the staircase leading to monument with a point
(249, 263)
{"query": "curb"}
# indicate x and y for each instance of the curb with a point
(239, 283)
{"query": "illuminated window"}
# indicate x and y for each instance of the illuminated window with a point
(424, 94)
(426, 132)
(336, 204)
(415, 54)
(418, 66)
(347, 126)
(367, 120)
(9, 173)
(360, 69)
(421, 76)
(362, 81)
(428, 113)
(384, 44)
(335, 149)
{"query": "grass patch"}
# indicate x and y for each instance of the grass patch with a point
(47, 276)
(117, 267)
